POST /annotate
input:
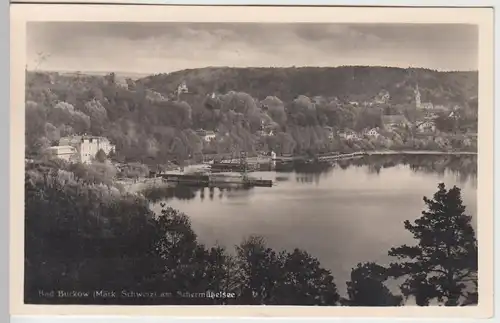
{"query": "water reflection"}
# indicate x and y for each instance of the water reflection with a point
(308, 178)
(463, 168)
(186, 192)
(282, 178)
(342, 217)
(374, 169)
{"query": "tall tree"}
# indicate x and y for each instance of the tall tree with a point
(280, 278)
(366, 287)
(100, 156)
(305, 282)
(260, 268)
(443, 265)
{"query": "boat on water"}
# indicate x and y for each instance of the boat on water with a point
(212, 180)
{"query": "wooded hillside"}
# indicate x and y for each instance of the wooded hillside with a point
(148, 123)
(349, 83)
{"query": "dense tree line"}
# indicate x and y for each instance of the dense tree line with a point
(150, 124)
(84, 236)
(348, 83)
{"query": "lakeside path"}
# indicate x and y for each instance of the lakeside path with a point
(383, 152)
(267, 159)
(419, 152)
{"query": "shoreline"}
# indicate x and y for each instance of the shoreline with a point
(138, 186)
(257, 159)
(421, 152)
(380, 153)
(358, 154)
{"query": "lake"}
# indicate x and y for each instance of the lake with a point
(349, 213)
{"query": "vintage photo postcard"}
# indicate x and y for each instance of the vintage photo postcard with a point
(252, 161)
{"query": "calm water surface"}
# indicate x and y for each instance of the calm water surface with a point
(342, 216)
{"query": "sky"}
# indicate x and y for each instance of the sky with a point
(148, 48)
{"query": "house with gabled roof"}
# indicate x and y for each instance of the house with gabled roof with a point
(425, 126)
(206, 135)
(348, 135)
(372, 133)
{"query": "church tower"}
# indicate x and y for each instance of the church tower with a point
(418, 102)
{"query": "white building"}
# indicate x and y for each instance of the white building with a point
(207, 136)
(383, 97)
(349, 135)
(87, 146)
(373, 133)
(67, 153)
(182, 88)
(426, 126)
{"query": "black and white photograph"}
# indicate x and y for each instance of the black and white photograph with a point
(251, 163)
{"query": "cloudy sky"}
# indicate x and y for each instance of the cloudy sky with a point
(167, 47)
